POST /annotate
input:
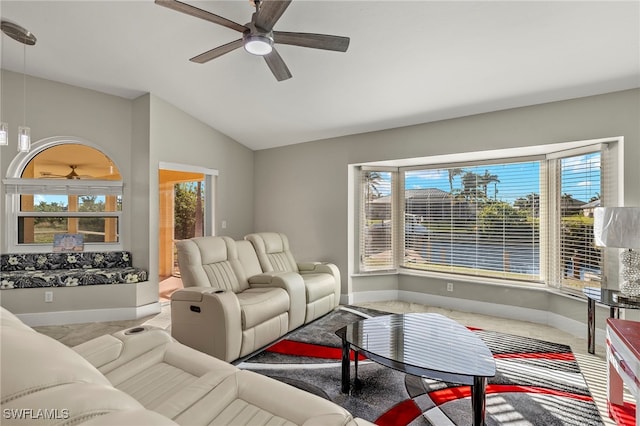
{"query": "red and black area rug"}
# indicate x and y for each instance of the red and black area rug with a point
(536, 382)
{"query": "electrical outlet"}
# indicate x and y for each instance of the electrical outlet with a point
(449, 286)
(48, 296)
(224, 224)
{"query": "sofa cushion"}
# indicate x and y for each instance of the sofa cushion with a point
(273, 251)
(318, 286)
(29, 270)
(210, 262)
(71, 277)
(72, 403)
(25, 371)
(55, 261)
(261, 304)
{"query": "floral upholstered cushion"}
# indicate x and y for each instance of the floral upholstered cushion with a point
(53, 261)
(29, 270)
(71, 277)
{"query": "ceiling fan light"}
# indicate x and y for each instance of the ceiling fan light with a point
(258, 45)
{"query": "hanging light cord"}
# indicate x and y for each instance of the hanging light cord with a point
(24, 84)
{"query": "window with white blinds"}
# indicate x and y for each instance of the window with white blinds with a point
(525, 218)
(474, 219)
(580, 192)
(46, 207)
(376, 225)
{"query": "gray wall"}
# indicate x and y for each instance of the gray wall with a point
(56, 109)
(179, 138)
(302, 189)
(137, 135)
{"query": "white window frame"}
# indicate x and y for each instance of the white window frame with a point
(14, 186)
(612, 148)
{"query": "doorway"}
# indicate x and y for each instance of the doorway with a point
(185, 211)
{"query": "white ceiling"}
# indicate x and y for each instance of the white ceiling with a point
(408, 62)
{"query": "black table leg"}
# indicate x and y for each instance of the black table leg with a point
(591, 326)
(478, 401)
(356, 354)
(346, 366)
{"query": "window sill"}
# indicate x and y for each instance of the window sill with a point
(461, 278)
(474, 280)
(375, 273)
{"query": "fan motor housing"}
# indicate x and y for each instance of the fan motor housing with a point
(256, 41)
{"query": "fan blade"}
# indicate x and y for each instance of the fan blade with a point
(200, 13)
(316, 41)
(277, 65)
(216, 52)
(269, 13)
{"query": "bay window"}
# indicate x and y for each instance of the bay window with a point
(522, 219)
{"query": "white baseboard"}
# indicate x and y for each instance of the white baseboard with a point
(89, 315)
(368, 296)
(568, 325)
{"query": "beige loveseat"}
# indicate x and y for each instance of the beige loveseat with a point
(234, 304)
(137, 377)
(321, 279)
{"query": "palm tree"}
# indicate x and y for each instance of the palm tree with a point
(452, 174)
(484, 181)
(470, 185)
(372, 180)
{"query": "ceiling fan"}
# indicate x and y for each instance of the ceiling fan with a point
(258, 36)
(71, 175)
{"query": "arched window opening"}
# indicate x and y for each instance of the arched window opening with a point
(71, 161)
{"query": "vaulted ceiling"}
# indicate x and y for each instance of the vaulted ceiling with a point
(408, 62)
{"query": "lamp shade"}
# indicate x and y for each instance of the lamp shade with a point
(617, 227)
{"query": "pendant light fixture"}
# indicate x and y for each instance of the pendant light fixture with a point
(27, 38)
(4, 134)
(4, 127)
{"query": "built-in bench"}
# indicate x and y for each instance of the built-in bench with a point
(68, 269)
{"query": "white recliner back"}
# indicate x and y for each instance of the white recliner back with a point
(211, 262)
(321, 279)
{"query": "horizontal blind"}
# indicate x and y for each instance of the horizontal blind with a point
(477, 220)
(580, 193)
(376, 227)
(62, 186)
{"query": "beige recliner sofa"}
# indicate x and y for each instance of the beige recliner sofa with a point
(321, 280)
(141, 376)
(229, 307)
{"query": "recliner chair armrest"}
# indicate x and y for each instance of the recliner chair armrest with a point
(209, 320)
(293, 284)
(323, 268)
(319, 268)
(111, 351)
(101, 350)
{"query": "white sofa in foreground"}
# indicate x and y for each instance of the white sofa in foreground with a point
(141, 376)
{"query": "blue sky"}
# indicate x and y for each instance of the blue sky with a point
(62, 200)
(581, 178)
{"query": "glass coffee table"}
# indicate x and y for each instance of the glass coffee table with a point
(422, 344)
